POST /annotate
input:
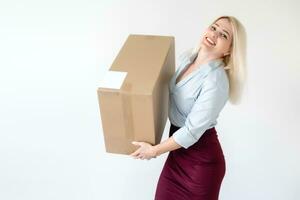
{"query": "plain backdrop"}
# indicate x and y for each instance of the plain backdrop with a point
(52, 55)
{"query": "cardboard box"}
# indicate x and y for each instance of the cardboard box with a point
(134, 95)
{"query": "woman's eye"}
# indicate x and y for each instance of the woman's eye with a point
(213, 28)
(224, 36)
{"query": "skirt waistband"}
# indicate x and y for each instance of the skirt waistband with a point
(210, 131)
(176, 127)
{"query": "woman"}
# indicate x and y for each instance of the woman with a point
(206, 78)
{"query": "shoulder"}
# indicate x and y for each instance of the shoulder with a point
(182, 59)
(185, 54)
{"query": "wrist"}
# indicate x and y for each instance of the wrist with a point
(156, 150)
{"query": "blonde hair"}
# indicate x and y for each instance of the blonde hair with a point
(235, 62)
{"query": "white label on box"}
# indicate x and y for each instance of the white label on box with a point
(112, 79)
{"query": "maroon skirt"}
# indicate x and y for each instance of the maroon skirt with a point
(195, 173)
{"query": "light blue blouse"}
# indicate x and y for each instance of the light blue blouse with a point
(196, 100)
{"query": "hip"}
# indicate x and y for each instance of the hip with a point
(207, 149)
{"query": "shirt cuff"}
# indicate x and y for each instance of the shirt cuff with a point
(184, 138)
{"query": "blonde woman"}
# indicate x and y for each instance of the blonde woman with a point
(208, 75)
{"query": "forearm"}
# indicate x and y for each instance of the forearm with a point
(167, 145)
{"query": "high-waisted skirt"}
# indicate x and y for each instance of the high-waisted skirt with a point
(195, 173)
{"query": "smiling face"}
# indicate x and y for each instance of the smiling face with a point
(217, 38)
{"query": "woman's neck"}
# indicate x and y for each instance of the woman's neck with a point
(205, 57)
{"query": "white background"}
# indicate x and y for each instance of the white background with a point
(52, 55)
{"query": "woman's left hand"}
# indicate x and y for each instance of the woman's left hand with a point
(146, 151)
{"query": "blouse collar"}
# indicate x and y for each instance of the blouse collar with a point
(204, 69)
(212, 63)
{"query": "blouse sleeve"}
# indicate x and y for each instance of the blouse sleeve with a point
(211, 100)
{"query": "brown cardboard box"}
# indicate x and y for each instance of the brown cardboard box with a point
(137, 109)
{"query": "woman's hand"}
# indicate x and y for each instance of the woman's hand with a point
(146, 151)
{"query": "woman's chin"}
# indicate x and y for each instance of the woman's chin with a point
(206, 46)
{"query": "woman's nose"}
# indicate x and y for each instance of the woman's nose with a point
(215, 35)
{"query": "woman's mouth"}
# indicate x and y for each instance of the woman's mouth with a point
(211, 42)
